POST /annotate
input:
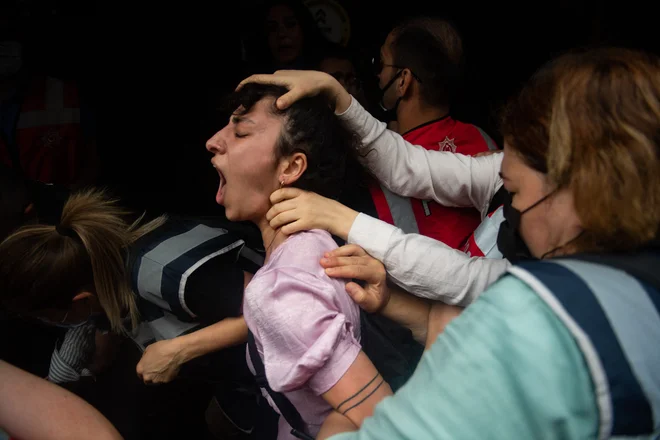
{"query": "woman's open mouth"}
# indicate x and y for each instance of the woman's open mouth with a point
(219, 197)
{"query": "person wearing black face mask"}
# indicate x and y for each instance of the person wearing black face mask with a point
(509, 241)
(419, 70)
(430, 268)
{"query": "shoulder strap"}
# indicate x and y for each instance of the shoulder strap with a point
(288, 411)
(642, 264)
(615, 323)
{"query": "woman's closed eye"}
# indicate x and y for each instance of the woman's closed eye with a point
(240, 135)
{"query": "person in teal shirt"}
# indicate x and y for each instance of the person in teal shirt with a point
(489, 375)
(565, 344)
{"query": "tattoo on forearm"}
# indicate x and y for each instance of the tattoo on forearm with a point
(365, 397)
(356, 394)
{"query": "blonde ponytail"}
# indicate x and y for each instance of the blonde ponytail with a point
(49, 265)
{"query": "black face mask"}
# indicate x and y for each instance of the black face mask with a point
(389, 114)
(509, 241)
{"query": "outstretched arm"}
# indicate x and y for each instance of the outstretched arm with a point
(33, 408)
(425, 267)
(408, 170)
(162, 360)
(425, 319)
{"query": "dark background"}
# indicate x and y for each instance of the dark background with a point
(155, 73)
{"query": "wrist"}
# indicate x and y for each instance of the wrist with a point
(342, 221)
(182, 351)
(343, 101)
(339, 97)
(383, 306)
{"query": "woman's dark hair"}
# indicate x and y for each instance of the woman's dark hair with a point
(310, 127)
(432, 49)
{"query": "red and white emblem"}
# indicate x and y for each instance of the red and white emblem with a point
(447, 145)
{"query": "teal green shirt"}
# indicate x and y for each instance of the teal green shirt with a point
(505, 369)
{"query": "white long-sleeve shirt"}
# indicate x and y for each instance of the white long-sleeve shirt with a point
(422, 265)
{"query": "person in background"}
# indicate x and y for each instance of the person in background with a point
(339, 63)
(288, 38)
(100, 263)
(42, 135)
(32, 408)
(24, 202)
(419, 71)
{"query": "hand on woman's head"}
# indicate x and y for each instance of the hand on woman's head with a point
(304, 84)
(263, 148)
(352, 262)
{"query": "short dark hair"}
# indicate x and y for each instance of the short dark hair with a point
(432, 48)
(14, 199)
(310, 127)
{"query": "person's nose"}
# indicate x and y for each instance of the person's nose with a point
(216, 144)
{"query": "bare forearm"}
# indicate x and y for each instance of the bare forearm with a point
(223, 334)
(340, 220)
(440, 315)
(409, 311)
(34, 408)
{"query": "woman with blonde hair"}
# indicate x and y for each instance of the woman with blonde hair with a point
(564, 345)
(93, 270)
(68, 273)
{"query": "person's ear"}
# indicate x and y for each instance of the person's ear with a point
(82, 295)
(404, 83)
(293, 167)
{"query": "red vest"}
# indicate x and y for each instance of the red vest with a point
(483, 241)
(451, 226)
(48, 134)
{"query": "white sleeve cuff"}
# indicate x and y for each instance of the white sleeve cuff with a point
(372, 235)
(350, 107)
